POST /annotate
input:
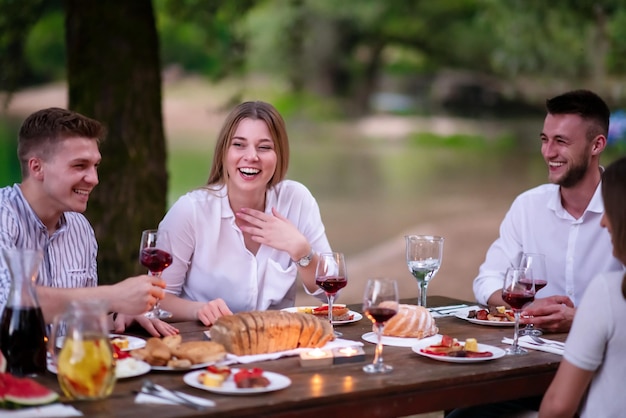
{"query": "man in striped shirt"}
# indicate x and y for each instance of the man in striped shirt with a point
(59, 156)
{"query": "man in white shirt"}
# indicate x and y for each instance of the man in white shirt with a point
(561, 219)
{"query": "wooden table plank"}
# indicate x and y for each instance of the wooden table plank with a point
(416, 385)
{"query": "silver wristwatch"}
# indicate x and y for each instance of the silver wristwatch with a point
(306, 260)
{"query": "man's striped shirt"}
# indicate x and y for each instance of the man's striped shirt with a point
(69, 254)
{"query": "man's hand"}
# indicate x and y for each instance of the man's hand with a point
(136, 295)
(154, 326)
(211, 311)
(552, 314)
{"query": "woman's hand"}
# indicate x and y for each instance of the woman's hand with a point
(209, 312)
(154, 326)
(274, 231)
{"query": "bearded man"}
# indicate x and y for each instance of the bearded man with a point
(560, 220)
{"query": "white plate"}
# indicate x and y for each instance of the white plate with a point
(277, 382)
(137, 369)
(370, 337)
(178, 369)
(130, 367)
(462, 314)
(133, 342)
(497, 353)
(355, 315)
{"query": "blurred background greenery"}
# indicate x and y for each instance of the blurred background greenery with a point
(403, 114)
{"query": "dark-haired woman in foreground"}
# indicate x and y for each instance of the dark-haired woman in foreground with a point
(590, 378)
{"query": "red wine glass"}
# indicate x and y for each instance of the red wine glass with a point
(518, 291)
(331, 276)
(155, 254)
(536, 263)
(380, 303)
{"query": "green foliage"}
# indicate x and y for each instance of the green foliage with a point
(16, 18)
(617, 33)
(9, 166)
(45, 47)
(188, 169)
(202, 36)
(310, 105)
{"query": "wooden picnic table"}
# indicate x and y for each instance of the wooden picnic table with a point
(416, 385)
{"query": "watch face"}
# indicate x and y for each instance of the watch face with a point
(304, 261)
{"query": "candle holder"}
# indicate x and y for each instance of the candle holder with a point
(316, 357)
(345, 355)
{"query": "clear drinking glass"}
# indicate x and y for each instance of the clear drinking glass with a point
(331, 276)
(536, 263)
(155, 254)
(380, 303)
(518, 291)
(423, 257)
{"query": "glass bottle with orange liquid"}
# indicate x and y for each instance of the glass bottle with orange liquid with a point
(83, 352)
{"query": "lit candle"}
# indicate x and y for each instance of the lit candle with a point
(316, 357)
(348, 355)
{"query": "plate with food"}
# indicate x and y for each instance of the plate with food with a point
(127, 342)
(123, 342)
(183, 368)
(450, 350)
(124, 368)
(236, 381)
(172, 354)
(370, 337)
(494, 316)
(130, 367)
(341, 314)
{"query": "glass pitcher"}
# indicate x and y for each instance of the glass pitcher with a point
(82, 351)
(22, 327)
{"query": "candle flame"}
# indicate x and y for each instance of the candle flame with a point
(317, 353)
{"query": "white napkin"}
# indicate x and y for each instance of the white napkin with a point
(336, 343)
(441, 311)
(527, 342)
(52, 411)
(143, 397)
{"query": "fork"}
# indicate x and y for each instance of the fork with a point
(150, 388)
(541, 341)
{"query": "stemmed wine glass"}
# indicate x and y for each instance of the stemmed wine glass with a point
(423, 257)
(537, 264)
(331, 276)
(380, 303)
(518, 291)
(156, 255)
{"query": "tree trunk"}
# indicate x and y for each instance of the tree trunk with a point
(114, 77)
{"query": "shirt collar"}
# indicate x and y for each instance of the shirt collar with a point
(31, 213)
(596, 204)
(271, 198)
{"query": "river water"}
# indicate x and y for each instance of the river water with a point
(375, 182)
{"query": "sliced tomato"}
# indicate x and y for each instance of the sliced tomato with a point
(447, 341)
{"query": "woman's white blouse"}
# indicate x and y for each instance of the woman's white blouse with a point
(210, 257)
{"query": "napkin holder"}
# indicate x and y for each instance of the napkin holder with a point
(316, 357)
(343, 355)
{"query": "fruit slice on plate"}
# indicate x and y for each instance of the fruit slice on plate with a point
(340, 312)
(22, 391)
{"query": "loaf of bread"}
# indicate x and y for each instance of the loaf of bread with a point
(411, 321)
(199, 351)
(261, 332)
